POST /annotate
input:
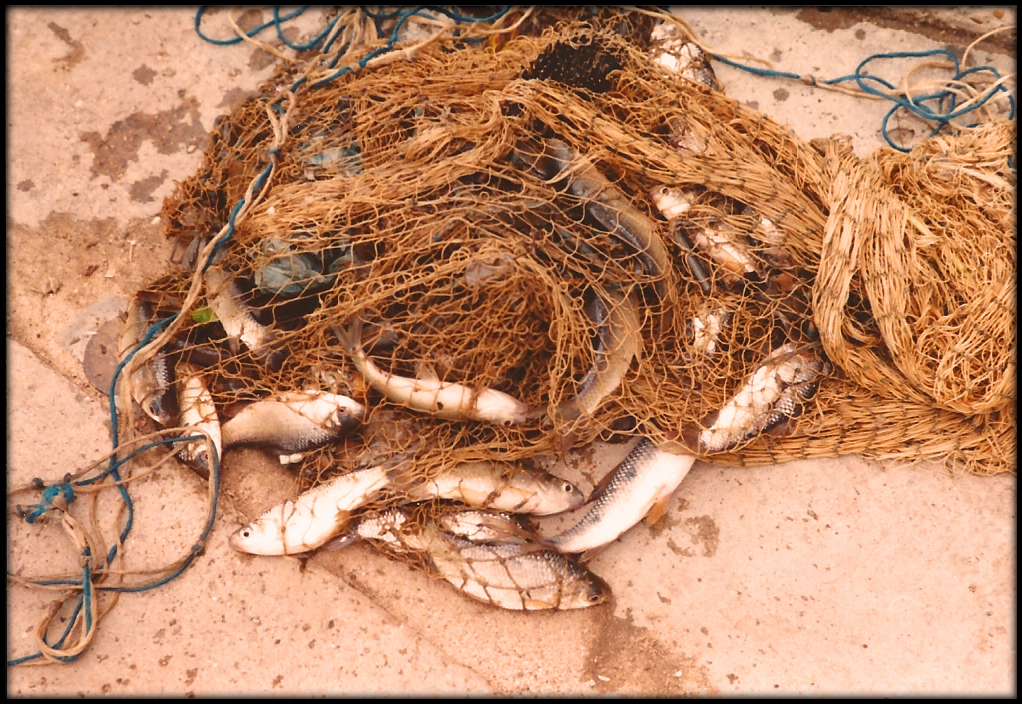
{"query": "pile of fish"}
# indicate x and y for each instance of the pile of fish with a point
(465, 524)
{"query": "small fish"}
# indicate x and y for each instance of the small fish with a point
(617, 320)
(470, 524)
(294, 421)
(152, 383)
(611, 207)
(512, 576)
(484, 526)
(443, 399)
(199, 412)
(705, 330)
(720, 243)
(499, 486)
(236, 317)
(673, 52)
(313, 518)
(773, 394)
(288, 273)
(672, 204)
(637, 488)
(508, 575)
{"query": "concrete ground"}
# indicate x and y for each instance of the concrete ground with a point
(815, 577)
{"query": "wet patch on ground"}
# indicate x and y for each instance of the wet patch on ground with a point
(629, 659)
(170, 131)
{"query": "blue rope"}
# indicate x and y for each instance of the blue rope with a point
(942, 113)
(49, 494)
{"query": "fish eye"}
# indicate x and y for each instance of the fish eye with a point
(568, 487)
(507, 423)
(246, 534)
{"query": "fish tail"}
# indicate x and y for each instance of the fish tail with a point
(350, 337)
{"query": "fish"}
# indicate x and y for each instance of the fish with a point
(720, 243)
(499, 486)
(238, 320)
(443, 399)
(705, 330)
(637, 488)
(672, 204)
(507, 575)
(611, 207)
(484, 526)
(617, 321)
(773, 394)
(151, 383)
(321, 513)
(670, 50)
(288, 272)
(294, 421)
(471, 524)
(199, 412)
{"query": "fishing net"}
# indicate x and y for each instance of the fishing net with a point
(484, 211)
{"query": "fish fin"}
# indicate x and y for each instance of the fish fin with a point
(341, 541)
(592, 553)
(425, 371)
(602, 485)
(657, 511)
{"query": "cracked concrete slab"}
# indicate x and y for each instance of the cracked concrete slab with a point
(813, 577)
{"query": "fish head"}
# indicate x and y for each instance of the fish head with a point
(497, 407)
(161, 406)
(555, 495)
(263, 536)
(671, 202)
(583, 590)
(348, 416)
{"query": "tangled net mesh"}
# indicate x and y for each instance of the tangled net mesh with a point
(445, 204)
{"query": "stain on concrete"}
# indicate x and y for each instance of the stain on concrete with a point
(170, 131)
(624, 658)
(233, 97)
(77, 52)
(143, 74)
(780, 95)
(927, 23)
(666, 522)
(142, 191)
(705, 533)
(26, 185)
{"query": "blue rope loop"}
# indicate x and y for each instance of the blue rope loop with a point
(61, 489)
(938, 107)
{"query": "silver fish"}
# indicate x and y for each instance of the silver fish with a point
(484, 526)
(611, 207)
(152, 383)
(313, 518)
(294, 421)
(441, 398)
(199, 412)
(774, 393)
(498, 486)
(617, 320)
(670, 50)
(470, 524)
(706, 328)
(288, 272)
(720, 243)
(637, 488)
(504, 574)
(238, 321)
